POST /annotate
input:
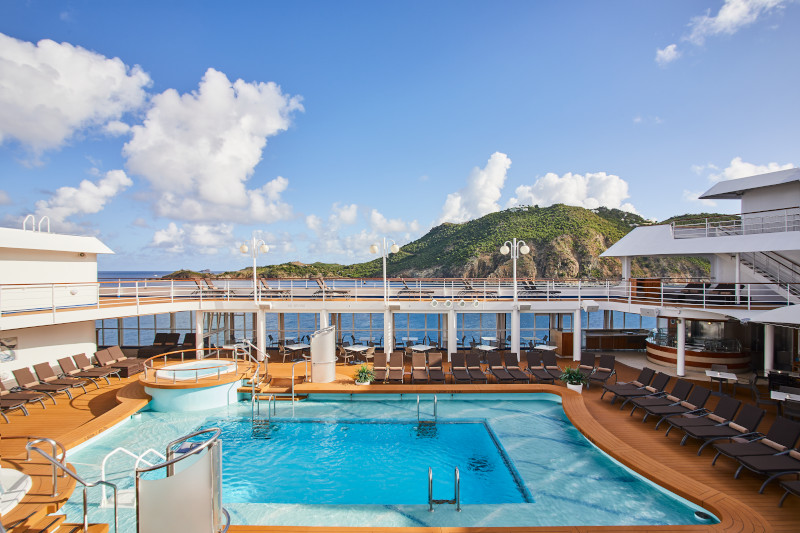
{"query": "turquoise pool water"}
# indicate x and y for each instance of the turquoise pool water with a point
(363, 461)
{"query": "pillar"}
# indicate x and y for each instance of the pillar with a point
(576, 335)
(281, 326)
(452, 333)
(324, 319)
(261, 334)
(198, 332)
(737, 278)
(388, 332)
(515, 330)
(769, 347)
(626, 267)
(681, 349)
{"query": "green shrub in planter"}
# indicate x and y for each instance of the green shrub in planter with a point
(573, 376)
(364, 374)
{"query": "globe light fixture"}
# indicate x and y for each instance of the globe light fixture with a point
(384, 251)
(256, 247)
(515, 247)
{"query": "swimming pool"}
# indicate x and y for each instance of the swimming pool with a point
(319, 468)
(195, 370)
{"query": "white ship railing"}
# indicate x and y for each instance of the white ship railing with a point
(748, 224)
(440, 294)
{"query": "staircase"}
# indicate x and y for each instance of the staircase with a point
(776, 268)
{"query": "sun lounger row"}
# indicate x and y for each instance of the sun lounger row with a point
(772, 454)
(76, 373)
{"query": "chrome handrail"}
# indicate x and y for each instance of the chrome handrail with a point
(31, 446)
(305, 361)
(456, 487)
(435, 403)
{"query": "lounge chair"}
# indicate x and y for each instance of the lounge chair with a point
(84, 364)
(396, 368)
(474, 368)
(512, 367)
(379, 367)
(773, 466)
(114, 358)
(655, 387)
(604, 371)
(586, 366)
(745, 423)
(458, 366)
(529, 289)
(722, 414)
(27, 382)
(497, 369)
(69, 369)
(680, 391)
(471, 292)
(369, 353)
(693, 404)
(266, 290)
(26, 396)
(782, 435)
(435, 372)
(413, 292)
(328, 292)
(551, 365)
(419, 369)
(536, 368)
(46, 375)
(644, 379)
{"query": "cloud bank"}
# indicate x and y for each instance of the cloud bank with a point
(589, 190)
(50, 91)
(480, 195)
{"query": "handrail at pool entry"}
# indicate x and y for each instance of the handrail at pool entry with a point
(456, 487)
(435, 402)
(31, 446)
(139, 459)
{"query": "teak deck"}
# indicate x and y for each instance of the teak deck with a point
(625, 438)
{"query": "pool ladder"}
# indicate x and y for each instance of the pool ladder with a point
(256, 420)
(456, 497)
(435, 403)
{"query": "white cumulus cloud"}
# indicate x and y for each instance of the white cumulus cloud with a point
(89, 197)
(589, 190)
(481, 194)
(732, 16)
(694, 198)
(194, 238)
(199, 150)
(742, 169)
(667, 55)
(49, 91)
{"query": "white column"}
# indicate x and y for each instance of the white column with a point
(324, 319)
(198, 332)
(515, 330)
(261, 334)
(737, 278)
(626, 267)
(769, 347)
(576, 335)
(681, 347)
(452, 333)
(388, 332)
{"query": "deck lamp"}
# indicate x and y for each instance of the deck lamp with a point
(515, 247)
(257, 247)
(376, 248)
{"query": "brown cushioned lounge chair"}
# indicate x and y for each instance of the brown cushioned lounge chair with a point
(114, 358)
(655, 387)
(680, 391)
(458, 366)
(782, 436)
(604, 371)
(791, 487)
(474, 368)
(435, 372)
(745, 423)
(28, 382)
(722, 414)
(512, 367)
(379, 367)
(586, 367)
(419, 369)
(497, 369)
(396, 368)
(84, 364)
(536, 368)
(69, 369)
(772, 466)
(644, 379)
(26, 396)
(693, 404)
(551, 365)
(46, 375)
(12, 405)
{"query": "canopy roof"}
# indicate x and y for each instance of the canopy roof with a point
(733, 189)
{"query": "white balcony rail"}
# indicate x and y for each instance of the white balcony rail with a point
(440, 294)
(748, 224)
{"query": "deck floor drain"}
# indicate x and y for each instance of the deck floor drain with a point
(700, 515)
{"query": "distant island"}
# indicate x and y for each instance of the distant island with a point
(565, 241)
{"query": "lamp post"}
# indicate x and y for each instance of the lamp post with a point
(515, 247)
(376, 248)
(256, 246)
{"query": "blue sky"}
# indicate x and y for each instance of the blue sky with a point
(174, 130)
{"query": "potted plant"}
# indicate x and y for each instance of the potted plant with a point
(364, 375)
(574, 379)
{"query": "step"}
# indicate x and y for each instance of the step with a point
(77, 528)
(48, 524)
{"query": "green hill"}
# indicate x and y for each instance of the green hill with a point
(565, 242)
